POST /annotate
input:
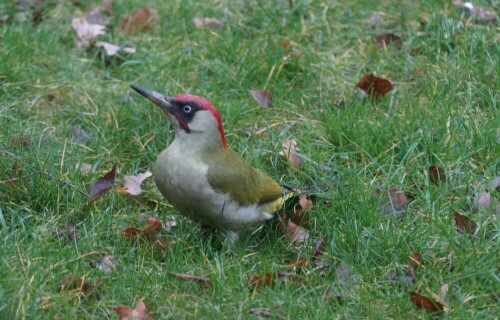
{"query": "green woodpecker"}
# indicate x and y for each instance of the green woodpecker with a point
(204, 179)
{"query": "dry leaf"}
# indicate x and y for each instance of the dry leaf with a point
(443, 291)
(112, 49)
(107, 264)
(465, 224)
(132, 184)
(138, 20)
(84, 167)
(396, 204)
(318, 247)
(66, 231)
(200, 280)
(261, 312)
(436, 175)
(78, 135)
(96, 17)
(211, 23)
(295, 233)
(487, 200)
(102, 185)
(74, 282)
(264, 98)
(374, 86)
(138, 313)
(291, 148)
(385, 39)
(268, 279)
(86, 31)
(425, 303)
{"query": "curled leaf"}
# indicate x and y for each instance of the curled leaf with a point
(425, 303)
(200, 280)
(132, 184)
(374, 86)
(465, 224)
(291, 151)
(264, 98)
(138, 313)
(102, 185)
(295, 233)
(138, 20)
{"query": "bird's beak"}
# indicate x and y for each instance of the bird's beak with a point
(157, 98)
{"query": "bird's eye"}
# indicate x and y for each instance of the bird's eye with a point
(187, 109)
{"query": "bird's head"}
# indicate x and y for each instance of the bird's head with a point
(193, 117)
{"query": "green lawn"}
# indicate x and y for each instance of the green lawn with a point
(443, 111)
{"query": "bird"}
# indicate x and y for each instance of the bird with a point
(205, 180)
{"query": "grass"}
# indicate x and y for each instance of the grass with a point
(443, 111)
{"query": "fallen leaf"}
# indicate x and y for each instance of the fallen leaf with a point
(374, 86)
(138, 20)
(102, 185)
(295, 233)
(78, 135)
(132, 184)
(487, 200)
(66, 231)
(318, 247)
(138, 313)
(465, 224)
(425, 303)
(264, 98)
(436, 175)
(86, 31)
(385, 39)
(200, 280)
(211, 23)
(268, 279)
(74, 282)
(443, 291)
(22, 141)
(112, 49)
(106, 264)
(414, 263)
(84, 167)
(396, 204)
(416, 260)
(261, 312)
(154, 226)
(291, 151)
(96, 17)
(375, 19)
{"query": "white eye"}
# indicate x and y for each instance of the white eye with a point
(187, 109)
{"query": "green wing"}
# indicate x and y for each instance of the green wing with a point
(229, 173)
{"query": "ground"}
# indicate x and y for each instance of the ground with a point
(62, 107)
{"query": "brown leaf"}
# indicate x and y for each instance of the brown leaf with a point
(487, 199)
(78, 135)
(112, 49)
(138, 313)
(301, 262)
(318, 247)
(465, 224)
(66, 231)
(211, 23)
(268, 279)
(86, 31)
(416, 260)
(106, 264)
(261, 312)
(160, 245)
(374, 86)
(383, 40)
(396, 204)
(102, 185)
(138, 20)
(72, 282)
(132, 184)
(295, 233)
(290, 151)
(425, 303)
(23, 141)
(131, 233)
(264, 98)
(204, 282)
(436, 175)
